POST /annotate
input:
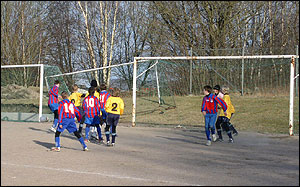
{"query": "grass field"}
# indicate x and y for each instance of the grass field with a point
(264, 114)
(253, 113)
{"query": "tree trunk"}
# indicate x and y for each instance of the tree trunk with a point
(88, 41)
(112, 44)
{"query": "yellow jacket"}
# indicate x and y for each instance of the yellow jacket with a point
(230, 107)
(76, 96)
(114, 105)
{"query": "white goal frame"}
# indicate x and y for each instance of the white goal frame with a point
(41, 82)
(292, 76)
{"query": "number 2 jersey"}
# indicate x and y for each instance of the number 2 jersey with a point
(114, 105)
(66, 109)
(91, 106)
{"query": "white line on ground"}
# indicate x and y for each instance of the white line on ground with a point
(95, 173)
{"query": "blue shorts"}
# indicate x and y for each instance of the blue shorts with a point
(53, 107)
(92, 121)
(68, 124)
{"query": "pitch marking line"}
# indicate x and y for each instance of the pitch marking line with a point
(95, 173)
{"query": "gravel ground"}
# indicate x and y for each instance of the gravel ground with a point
(146, 156)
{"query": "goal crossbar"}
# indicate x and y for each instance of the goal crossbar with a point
(214, 57)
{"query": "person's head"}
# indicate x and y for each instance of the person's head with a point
(75, 88)
(56, 82)
(92, 90)
(207, 90)
(116, 92)
(225, 90)
(94, 83)
(64, 95)
(102, 87)
(217, 89)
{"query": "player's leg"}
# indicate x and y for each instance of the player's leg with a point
(207, 131)
(234, 131)
(81, 121)
(55, 118)
(61, 127)
(57, 142)
(212, 123)
(88, 122)
(87, 131)
(99, 133)
(114, 128)
(94, 131)
(72, 128)
(107, 128)
(54, 109)
(219, 130)
(226, 127)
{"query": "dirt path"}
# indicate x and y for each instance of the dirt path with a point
(146, 156)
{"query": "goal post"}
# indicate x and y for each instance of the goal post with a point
(292, 78)
(41, 66)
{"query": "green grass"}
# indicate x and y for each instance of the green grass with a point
(264, 114)
(253, 113)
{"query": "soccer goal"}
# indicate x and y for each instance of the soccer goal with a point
(24, 92)
(186, 76)
(21, 86)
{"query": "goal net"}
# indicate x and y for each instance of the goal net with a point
(266, 83)
(24, 92)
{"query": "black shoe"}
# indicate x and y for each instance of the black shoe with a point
(235, 133)
(220, 140)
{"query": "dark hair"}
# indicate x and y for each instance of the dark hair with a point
(64, 95)
(94, 83)
(56, 82)
(92, 90)
(116, 92)
(102, 86)
(207, 88)
(217, 87)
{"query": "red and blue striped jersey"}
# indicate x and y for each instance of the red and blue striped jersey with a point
(104, 95)
(66, 109)
(91, 106)
(53, 95)
(210, 104)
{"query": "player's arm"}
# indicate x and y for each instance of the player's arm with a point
(107, 104)
(98, 107)
(77, 113)
(203, 107)
(222, 104)
(60, 112)
(84, 104)
(121, 107)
